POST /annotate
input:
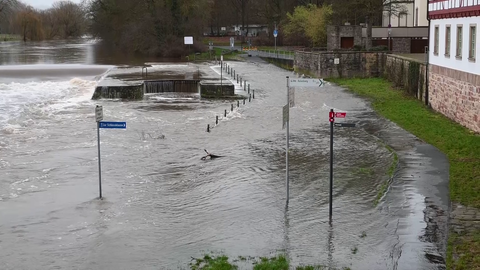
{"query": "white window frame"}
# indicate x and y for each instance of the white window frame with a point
(448, 40)
(472, 42)
(458, 49)
(436, 39)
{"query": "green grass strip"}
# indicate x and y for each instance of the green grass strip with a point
(461, 146)
(227, 55)
(276, 263)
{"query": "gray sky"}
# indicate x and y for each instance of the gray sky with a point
(43, 4)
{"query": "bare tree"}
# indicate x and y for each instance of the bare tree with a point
(7, 4)
(70, 17)
(28, 24)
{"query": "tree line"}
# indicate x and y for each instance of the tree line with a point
(157, 27)
(63, 20)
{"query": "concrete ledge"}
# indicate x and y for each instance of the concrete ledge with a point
(216, 89)
(131, 92)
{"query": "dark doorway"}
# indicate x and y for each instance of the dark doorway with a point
(346, 42)
(418, 45)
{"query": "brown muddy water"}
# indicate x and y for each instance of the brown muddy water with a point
(163, 205)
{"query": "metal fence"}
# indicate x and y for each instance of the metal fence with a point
(276, 54)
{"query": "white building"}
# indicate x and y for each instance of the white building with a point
(406, 13)
(454, 60)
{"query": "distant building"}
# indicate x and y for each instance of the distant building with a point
(398, 39)
(405, 13)
(253, 29)
(454, 62)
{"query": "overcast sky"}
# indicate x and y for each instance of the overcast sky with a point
(43, 4)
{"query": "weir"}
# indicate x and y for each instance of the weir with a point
(162, 86)
(207, 89)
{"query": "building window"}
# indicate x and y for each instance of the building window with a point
(459, 41)
(435, 44)
(447, 40)
(472, 43)
(416, 16)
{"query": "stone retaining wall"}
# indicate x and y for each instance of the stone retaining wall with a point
(406, 73)
(454, 93)
(342, 64)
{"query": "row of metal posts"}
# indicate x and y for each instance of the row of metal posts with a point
(232, 72)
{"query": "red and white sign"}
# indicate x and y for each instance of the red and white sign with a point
(340, 114)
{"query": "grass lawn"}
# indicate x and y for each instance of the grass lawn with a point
(280, 262)
(461, 146)
(227, 55)
(9, 37)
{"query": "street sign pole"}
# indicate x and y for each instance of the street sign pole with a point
(288, 145)
(221, 73)
(99, 162)
(275, 34)
(99, 117)
(332, 119)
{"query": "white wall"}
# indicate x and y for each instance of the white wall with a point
(408, 19)
(452, 62)
(422, 12)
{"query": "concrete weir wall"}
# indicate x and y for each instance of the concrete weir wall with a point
(207, 89)
(162, 86)
(132, 92)
(216, 89)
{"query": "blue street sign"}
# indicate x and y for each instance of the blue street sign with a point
(275, 33)
(121, 125)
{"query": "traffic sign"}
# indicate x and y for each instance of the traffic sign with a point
(305, 82)
(286, 111)
(344, 124)
(291, 97)
(340, 114)
(98, 113)
(118, 125)
(275, 33)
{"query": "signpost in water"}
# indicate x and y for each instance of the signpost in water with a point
(100, 124)
(332, 116)
(286, 113)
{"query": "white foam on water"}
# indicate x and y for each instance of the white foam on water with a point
(22, 104)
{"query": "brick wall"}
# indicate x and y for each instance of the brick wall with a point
(456, 94)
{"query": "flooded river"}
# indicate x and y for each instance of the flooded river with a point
(162, 204)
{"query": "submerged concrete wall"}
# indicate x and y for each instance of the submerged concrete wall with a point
(162, 86)
(216, 89)
(130, 92)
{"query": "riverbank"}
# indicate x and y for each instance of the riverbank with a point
(462, 148)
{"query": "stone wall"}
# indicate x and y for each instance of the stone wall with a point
(350, 64)
(406, 73)
(401, 45)
(456, 94)
(336, 32)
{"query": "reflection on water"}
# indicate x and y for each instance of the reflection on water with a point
(76, 51)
